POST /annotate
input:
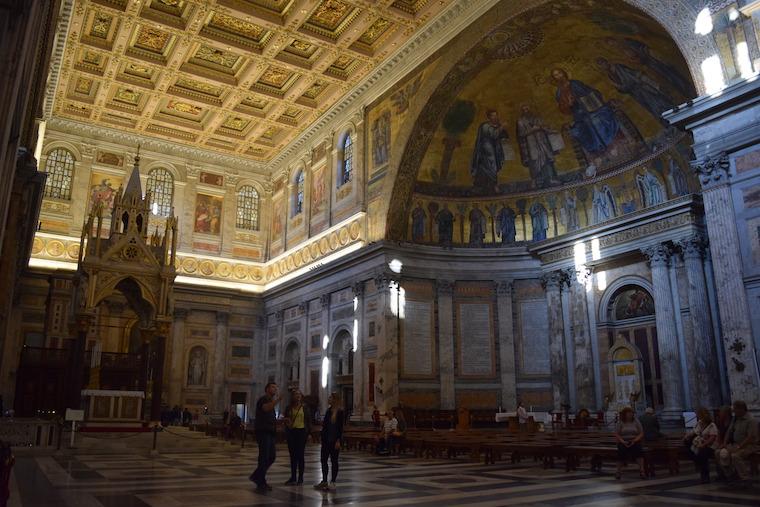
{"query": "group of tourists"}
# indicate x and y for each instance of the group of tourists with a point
(731, 439)
(297, 419)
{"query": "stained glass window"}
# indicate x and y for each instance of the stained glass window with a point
(298, 203)
(60, 171)
(161, 188)
(247, 208)
(347, 164)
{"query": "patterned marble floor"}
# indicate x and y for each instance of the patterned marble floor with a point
(219, 479)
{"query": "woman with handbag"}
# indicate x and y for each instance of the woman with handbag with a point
(297, 431)
(701, 442)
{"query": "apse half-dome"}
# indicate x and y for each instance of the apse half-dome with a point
(550, 124)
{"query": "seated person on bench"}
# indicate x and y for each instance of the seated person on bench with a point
(629, 434)
(384, 439)
(740, 443)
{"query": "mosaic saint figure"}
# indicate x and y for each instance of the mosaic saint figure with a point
(651, 189)
(594, 123)
(568, 214)
(536, 149)
(418, 223)
(477, 227)
(445, 221)
(638, 85)
(381, 137)
(603, 204)
(677, 180)
(539, 220)
(488, 154)
(506, 225)
(640, 52)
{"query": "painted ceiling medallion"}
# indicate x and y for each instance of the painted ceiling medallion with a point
(236, 123)
(92, 58)
(315, 90)
(191, 84)
(101, 25)
(127, 95)
(238, 26)
(330, 13)
(152, 39)
(375, 31)
(84, 85)
(184, 107)
(275, 76)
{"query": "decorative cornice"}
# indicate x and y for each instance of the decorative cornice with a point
(657, 255)
(713, 171)
(155, 144)
(56, 57)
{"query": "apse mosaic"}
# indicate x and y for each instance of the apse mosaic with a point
(549, 124)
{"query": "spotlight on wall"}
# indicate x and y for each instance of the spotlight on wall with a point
(356, 334)
(703, 24)
(325, 342)
(325, 371)
(395, 265)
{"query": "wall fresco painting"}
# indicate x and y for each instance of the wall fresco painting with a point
(103, 188)
(208, 214)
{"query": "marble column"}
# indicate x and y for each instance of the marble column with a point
(358, 328)
(325, 306)
(177, 357)
(445, 289)
(303, 309)
(702, 358)
(508, 372)
(553, 283)
(387, 343)
(667, 336)
(220, 362)
(727, 269)
(581, 338)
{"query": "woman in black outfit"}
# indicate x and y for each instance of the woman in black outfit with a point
(297, 431)
(332, 433)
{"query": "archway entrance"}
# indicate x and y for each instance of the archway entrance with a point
(629, 316)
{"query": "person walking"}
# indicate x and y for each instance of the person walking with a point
(265, 428)
(332, 433)
(297, 431)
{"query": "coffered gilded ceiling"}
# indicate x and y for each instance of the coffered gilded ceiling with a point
(244, 77)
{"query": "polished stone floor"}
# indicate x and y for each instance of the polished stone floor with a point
(219, 479)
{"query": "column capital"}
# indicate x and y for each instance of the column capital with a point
(445, 287)
(303, 307)
(712, 171)
(180, 313)
(657, 255)
(358, 289)
(279, 315)
(694, 247)
(324, 300)
(222, 317)
(554, 280)
(504, 287)
(383, 281)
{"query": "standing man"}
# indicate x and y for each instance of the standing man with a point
(265, 427)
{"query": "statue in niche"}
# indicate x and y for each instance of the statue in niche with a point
(196, 371)
(603, 204)
(445, 220)
(477, 226)
(418, 223)
(677, 180)
(538, 145)
(638, 85)
(539, 220)
(488, 155)
(568, 214)
(651, 189)
(506, 224)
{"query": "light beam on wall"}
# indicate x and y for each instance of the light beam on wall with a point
(325, 342)
(745, 63)
(356, 334)
(325, 371)
(703, 24)
(579, 254)
(712, 73)
(395, 265)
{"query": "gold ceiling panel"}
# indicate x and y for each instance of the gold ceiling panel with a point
(237, 76)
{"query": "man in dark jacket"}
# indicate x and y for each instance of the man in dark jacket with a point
(264, 426)
(651, 425)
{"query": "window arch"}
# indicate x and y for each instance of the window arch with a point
(161, 187)
(247, 208)
(347, 161)
(298, 197)
(60, 171)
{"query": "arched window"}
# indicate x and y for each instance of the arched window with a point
(347, 162)
(60, 171)
(298, 197)
(247, 208)
(161, 188)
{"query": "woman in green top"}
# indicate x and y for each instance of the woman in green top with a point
(297, 430)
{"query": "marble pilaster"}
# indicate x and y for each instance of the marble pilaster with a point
(553, 283)
(445, 289)
(187, 218)
(508, 371)
(325, 309)
(702, 356)
(727, 269)
(177, 357)
(358, 328)
(667, 337)
(220, 361)
(387, 343)
(581, 338)
(304, 347)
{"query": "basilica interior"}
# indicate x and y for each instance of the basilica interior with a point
(445, 206)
